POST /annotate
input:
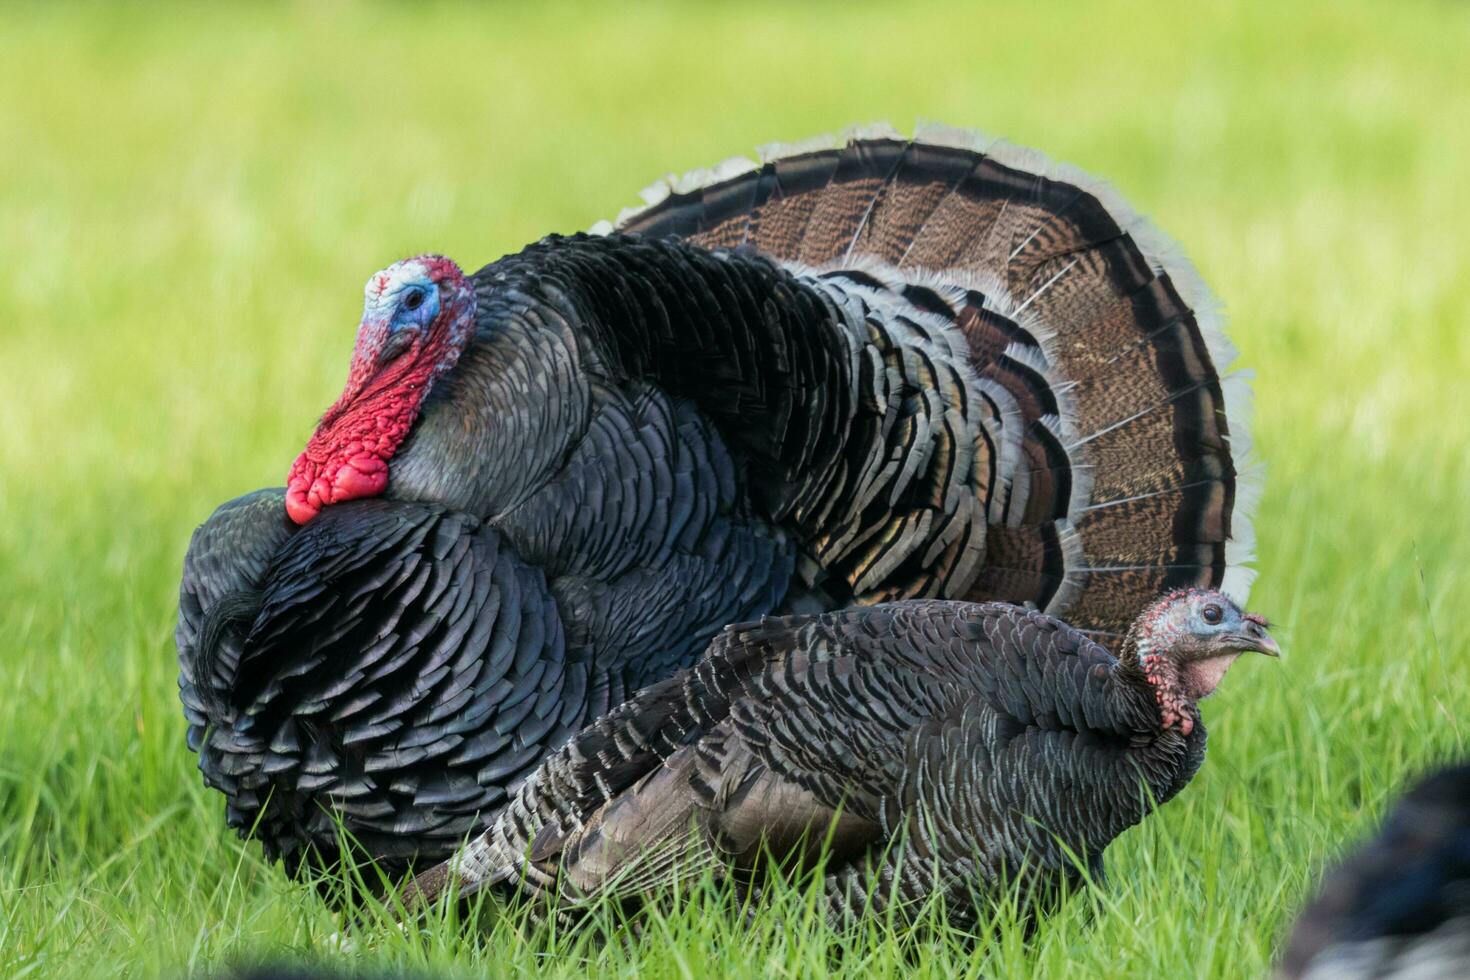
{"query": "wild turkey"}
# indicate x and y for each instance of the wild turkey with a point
(856, 372)
(1400, 906)
(936, 747)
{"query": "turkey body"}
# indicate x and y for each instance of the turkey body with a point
(868, 371)
(1399, 907)
(934, 748)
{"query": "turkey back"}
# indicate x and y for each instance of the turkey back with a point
(1118, 438)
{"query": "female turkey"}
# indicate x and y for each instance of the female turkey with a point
(855, 372)
(935, 747)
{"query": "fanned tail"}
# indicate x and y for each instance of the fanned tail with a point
(1114, 434)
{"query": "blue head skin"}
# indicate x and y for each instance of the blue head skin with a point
(405, 310)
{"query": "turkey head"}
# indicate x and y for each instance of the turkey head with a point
(1185, 642)
(418, 315)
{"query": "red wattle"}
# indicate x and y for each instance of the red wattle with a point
(298, 507)
(353, 482)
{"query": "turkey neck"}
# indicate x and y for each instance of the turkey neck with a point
(733, 332)
(1157, 674)
(1130, 656)
(494, 428)
(1167, 757)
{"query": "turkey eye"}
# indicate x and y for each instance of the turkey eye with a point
(414, 300)
(1212, 614)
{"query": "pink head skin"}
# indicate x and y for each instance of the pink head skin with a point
(417, 318)
(1185, 642)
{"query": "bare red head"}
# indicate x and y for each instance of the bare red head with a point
(417, 318)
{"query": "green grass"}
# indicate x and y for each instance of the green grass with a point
(191, 197)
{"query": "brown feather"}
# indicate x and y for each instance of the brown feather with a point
(1110, 375)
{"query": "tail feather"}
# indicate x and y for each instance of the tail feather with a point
(921, 182)
(790, 185)
(1108, 447)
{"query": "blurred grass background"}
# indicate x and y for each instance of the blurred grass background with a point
(191, 197)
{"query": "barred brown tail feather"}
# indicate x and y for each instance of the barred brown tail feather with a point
(1078, 316)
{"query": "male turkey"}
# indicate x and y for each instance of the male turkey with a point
(935, 747)
(1400, 906)
(858, 371)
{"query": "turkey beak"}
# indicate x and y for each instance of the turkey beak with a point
(397, 343)
(374, 338)
(1258, 639)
